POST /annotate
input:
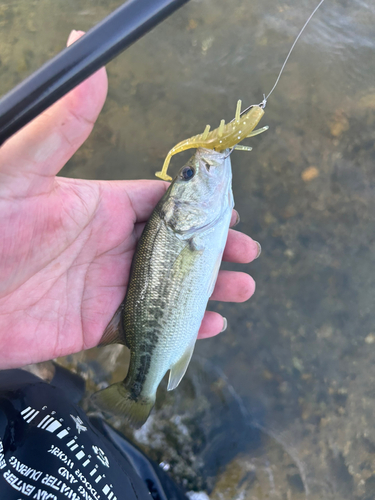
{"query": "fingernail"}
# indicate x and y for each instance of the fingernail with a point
(71, 37)
(225, 324)
(237, 219)
(259, 249)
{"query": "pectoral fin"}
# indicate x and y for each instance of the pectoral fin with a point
(114, 332)
(178, 370)
(214, 275)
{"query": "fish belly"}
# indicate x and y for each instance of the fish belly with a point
(171, 302)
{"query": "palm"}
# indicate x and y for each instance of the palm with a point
(67, 245)
(76, 244)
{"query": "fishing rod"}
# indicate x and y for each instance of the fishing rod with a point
(74, 64)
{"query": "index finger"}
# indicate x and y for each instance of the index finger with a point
(240, 248)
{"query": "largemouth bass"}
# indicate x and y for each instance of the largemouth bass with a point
(173, 275)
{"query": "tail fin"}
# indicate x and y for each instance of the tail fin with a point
(116, 399)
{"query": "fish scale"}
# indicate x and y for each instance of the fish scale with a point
(173, 274)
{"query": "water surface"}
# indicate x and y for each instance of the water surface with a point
(282, 405)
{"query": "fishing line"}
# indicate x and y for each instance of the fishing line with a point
(291, 50)
(265, 98)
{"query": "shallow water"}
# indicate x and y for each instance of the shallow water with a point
(292, 379)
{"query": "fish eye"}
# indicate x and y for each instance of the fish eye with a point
(187, 173)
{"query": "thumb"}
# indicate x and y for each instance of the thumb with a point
(31, 158)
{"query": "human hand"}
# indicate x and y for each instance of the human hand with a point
(67, 244)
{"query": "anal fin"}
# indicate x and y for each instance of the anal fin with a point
(178, 370)
(114, 332)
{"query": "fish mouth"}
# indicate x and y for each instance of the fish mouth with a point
(211, 160)
(215, 165)
(214, 158)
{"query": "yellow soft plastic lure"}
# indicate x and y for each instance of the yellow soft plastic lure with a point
(229, 135)
(226, 136)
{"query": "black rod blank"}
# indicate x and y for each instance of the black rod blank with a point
(74, 64)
